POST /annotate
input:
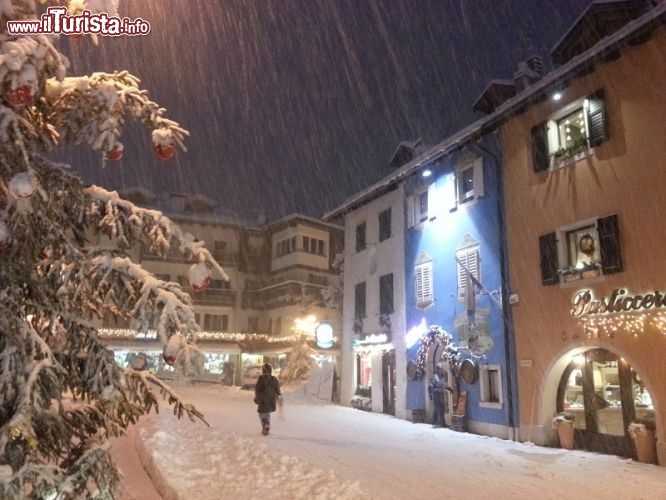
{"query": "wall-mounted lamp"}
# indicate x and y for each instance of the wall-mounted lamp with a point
(426, 172)
(557, 96)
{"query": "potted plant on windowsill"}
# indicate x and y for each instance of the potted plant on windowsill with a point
(643, 434)
(564, 424)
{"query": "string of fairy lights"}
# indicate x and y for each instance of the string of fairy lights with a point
(634, 324)
(237, 337)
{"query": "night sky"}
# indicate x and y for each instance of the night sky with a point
(296, 105)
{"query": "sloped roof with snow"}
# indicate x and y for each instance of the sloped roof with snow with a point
(580, 64)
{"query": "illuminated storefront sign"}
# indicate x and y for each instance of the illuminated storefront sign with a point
(372, 339)
(324, 335)
(584, 303)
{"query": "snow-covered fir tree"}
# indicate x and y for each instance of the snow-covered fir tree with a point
(62, 395)
(299, 361)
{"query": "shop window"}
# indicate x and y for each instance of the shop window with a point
(364, 370)
(385, 225)
(583, 251)
(359, 301)
(469, 181)
(570, 133)
(386, 294)
(423, 282)
(490, 386)
(360, 237)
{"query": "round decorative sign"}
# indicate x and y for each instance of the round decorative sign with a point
(324, 335)
(469, 371)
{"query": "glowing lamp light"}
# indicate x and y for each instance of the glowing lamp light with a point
(557, 96)
(426, 172)
(324, 335)
(308, 324)
(415, 333)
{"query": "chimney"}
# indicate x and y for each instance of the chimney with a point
(528, 72)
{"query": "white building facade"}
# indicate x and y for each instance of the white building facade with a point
(373, 315)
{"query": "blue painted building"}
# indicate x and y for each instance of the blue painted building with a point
(454, 263)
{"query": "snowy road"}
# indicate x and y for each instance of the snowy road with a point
(321, 450)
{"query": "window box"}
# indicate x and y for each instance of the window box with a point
(587, 250)
(570, 134)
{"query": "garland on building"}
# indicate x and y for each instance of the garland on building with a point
(436, 334)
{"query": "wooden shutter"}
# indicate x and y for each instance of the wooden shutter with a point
(410, 210)
(597, 123)
(548, 252)
(423, 284)
(478, 178)
(609, 244)
(469, 259)
(540, 147)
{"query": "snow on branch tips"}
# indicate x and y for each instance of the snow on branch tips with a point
(123, 220)
(92, 109)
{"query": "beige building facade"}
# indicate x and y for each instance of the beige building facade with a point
(584, 181)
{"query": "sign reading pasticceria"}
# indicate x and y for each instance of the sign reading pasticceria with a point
(585, 303)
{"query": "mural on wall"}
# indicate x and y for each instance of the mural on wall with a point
(472, 324)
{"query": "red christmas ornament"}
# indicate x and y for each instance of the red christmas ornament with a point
(202, 286)
(199, 277)
(19, 96)
(115, 154)
(165, 151)
(172, 348)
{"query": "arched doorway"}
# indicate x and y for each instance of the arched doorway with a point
(604, 395)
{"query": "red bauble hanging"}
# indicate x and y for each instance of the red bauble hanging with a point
(116, 153)
(199, 277)
(173, 346)
(165, 151)
(18, 96)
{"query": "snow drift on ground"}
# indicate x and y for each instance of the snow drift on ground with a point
(325, 451)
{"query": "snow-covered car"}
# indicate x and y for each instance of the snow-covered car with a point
(251, 374)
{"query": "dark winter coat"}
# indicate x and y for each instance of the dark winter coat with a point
(266, 392)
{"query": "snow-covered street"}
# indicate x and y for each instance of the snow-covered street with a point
(321, 450)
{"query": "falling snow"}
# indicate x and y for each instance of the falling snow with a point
(286, 99)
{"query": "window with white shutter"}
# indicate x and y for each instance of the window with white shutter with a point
(423, 282)
(467, 260)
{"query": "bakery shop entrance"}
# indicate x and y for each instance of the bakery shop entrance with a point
(604, 395)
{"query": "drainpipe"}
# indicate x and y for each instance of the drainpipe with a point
(506, 311)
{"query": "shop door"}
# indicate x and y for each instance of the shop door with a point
(388, 382)
(604, 395)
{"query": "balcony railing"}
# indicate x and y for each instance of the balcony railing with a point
(223, 258)
(214, 296)
(285, 294)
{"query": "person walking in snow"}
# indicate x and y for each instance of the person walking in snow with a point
(267, 396)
